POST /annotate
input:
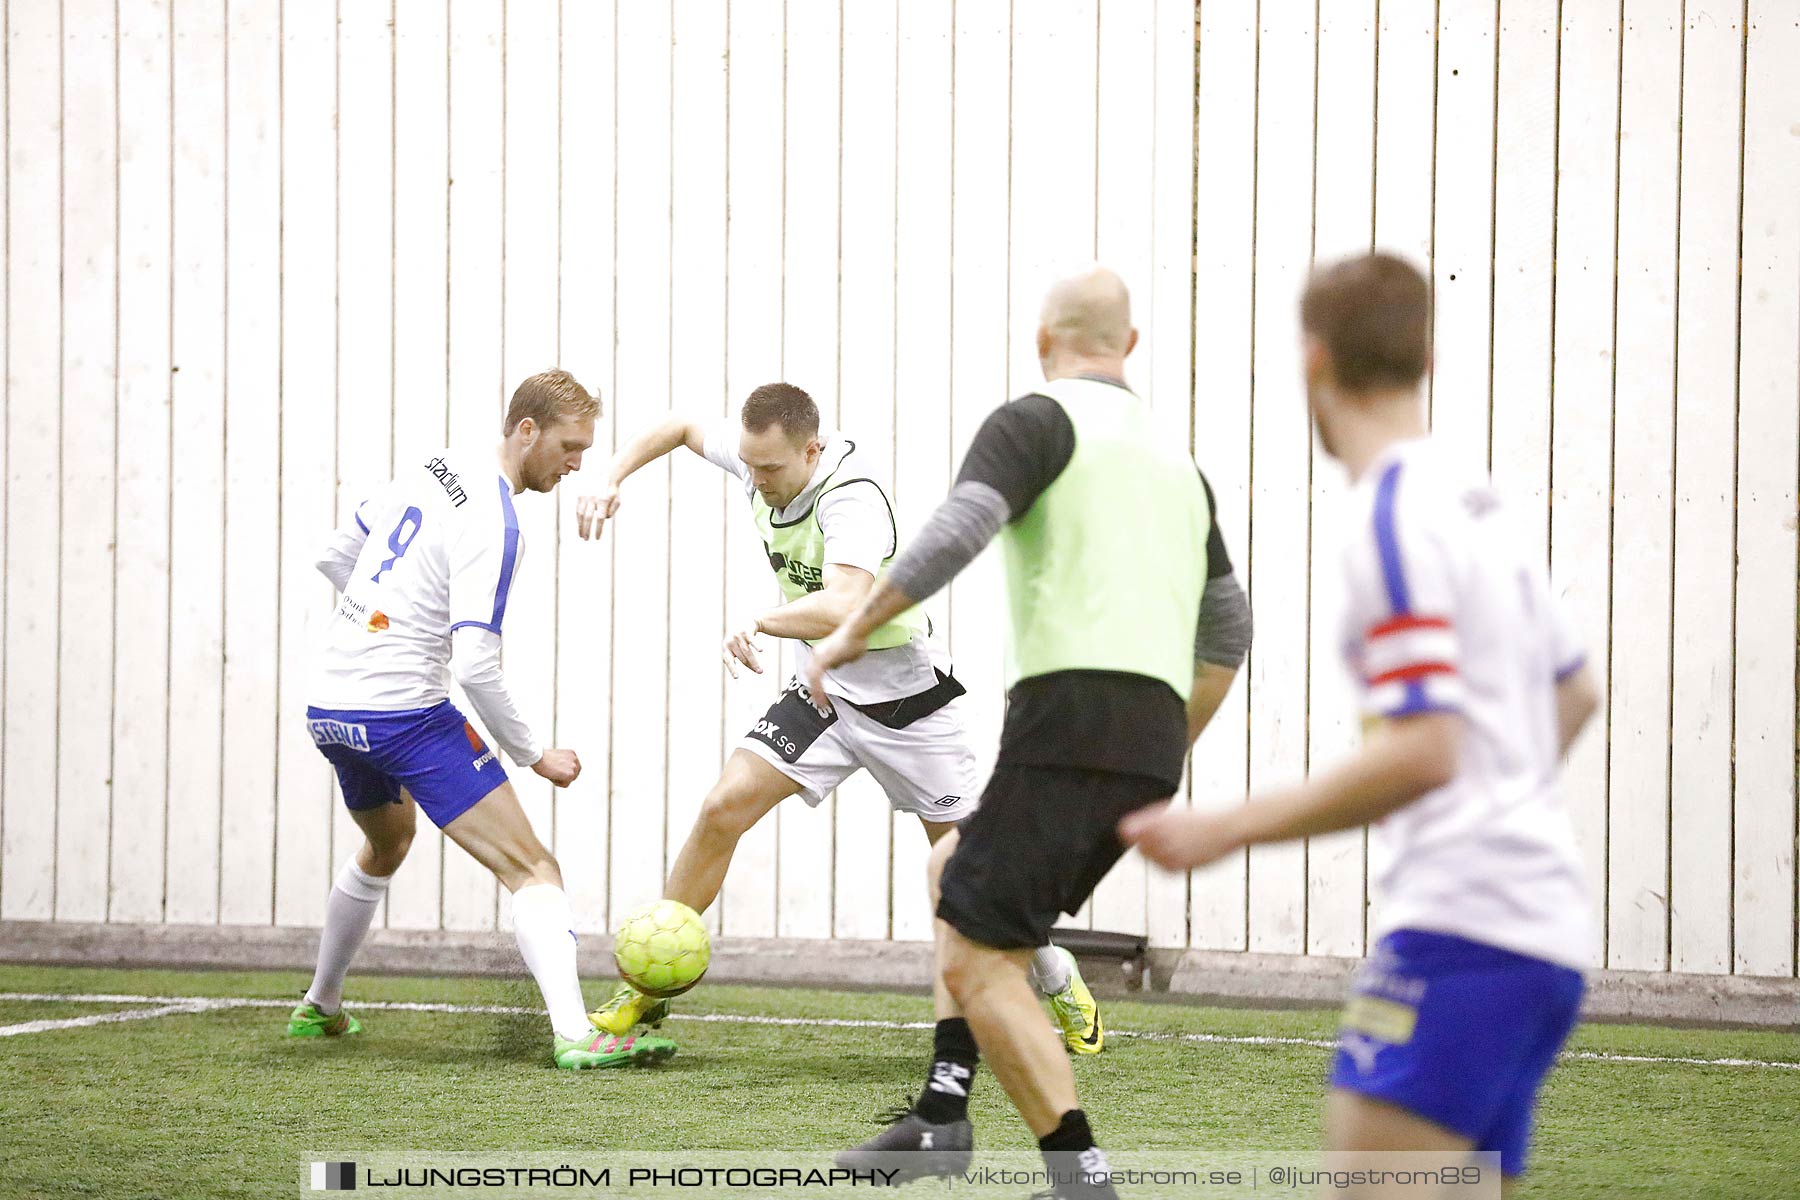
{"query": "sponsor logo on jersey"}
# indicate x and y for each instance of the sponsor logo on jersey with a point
(798, 573)
(447, 480)
(340, 733)
(377, 621)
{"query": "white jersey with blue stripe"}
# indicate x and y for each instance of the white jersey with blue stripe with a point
(1449, 612)
(434, 550)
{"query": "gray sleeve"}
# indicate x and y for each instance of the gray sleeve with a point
(959, 529)
(1223, 635)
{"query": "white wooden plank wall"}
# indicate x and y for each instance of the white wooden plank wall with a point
(259, 254)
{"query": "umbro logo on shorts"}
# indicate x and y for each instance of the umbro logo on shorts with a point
(947, 801)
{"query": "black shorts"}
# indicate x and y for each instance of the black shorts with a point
(1042, 840)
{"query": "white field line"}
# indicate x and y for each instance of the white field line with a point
(171, 1005)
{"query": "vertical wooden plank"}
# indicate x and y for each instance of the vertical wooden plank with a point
(753, 265)
(1055, 62)
(1644, 410)
(1168, 323)
(1404, 137)
(1279, 440)
(141, 663)
(34, 338)
(809, 338)
(89, 376)
(640, 746)
(5, 410)
(584, 570)
(28, 833)
(1343, 223)
(1524, 241)
(1706, 348)
(253, 321)
(870, 237)
(197, 450)
(1125, 228)
(1768, 458)
(477, 383)
(1580, 431)
(304, 797)
(529, 345)
(365, 266)
(699, 491)
(1224, 283)
(1463, 230)
(979, 216)
(420, 385)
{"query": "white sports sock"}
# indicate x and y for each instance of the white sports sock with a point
(545, 929)
(1049, 970)
(355, 896)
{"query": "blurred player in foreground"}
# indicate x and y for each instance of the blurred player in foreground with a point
(828, 528)
(1121, 651)
(1475, 690)
(424, 567)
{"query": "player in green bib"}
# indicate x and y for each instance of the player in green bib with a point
(828, 530)
(1127, 628)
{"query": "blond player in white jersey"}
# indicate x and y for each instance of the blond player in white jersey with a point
(1474, 689)
(828, 529)
(425, 568)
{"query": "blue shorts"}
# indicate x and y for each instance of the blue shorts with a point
(1458, 1032)
(434, 753)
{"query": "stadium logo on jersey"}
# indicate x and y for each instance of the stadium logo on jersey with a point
(333, 1177)
(441, 471)
(340, 733)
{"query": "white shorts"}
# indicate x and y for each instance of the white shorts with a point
(926, 768)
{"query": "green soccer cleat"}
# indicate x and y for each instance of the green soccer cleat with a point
(1077, 1012)
(308, 1021)
(628, 1009)
(602, 1051)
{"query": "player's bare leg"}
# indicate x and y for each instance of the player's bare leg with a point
(991, 989)
(498, 835)
(747, 789)
(943, 1003)
(1354, 1122)
(355, 895)
(1052, 971)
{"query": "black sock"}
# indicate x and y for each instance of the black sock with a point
(953, 1061)
(1071, 1134)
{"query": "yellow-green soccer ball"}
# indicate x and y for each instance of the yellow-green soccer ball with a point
(662, 948)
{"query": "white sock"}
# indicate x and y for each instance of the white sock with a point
(1049, 971)
(546, 931)
(355, 896)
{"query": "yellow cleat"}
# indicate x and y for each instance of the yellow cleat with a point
(628, 1009)
(1077, 1012)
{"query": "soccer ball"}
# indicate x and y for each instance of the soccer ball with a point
(662, 948)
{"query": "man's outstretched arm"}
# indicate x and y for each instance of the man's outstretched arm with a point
(593, 512)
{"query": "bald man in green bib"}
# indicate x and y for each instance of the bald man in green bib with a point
(1127, 628)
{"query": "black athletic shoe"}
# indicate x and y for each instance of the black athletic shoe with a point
(913, 1148)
